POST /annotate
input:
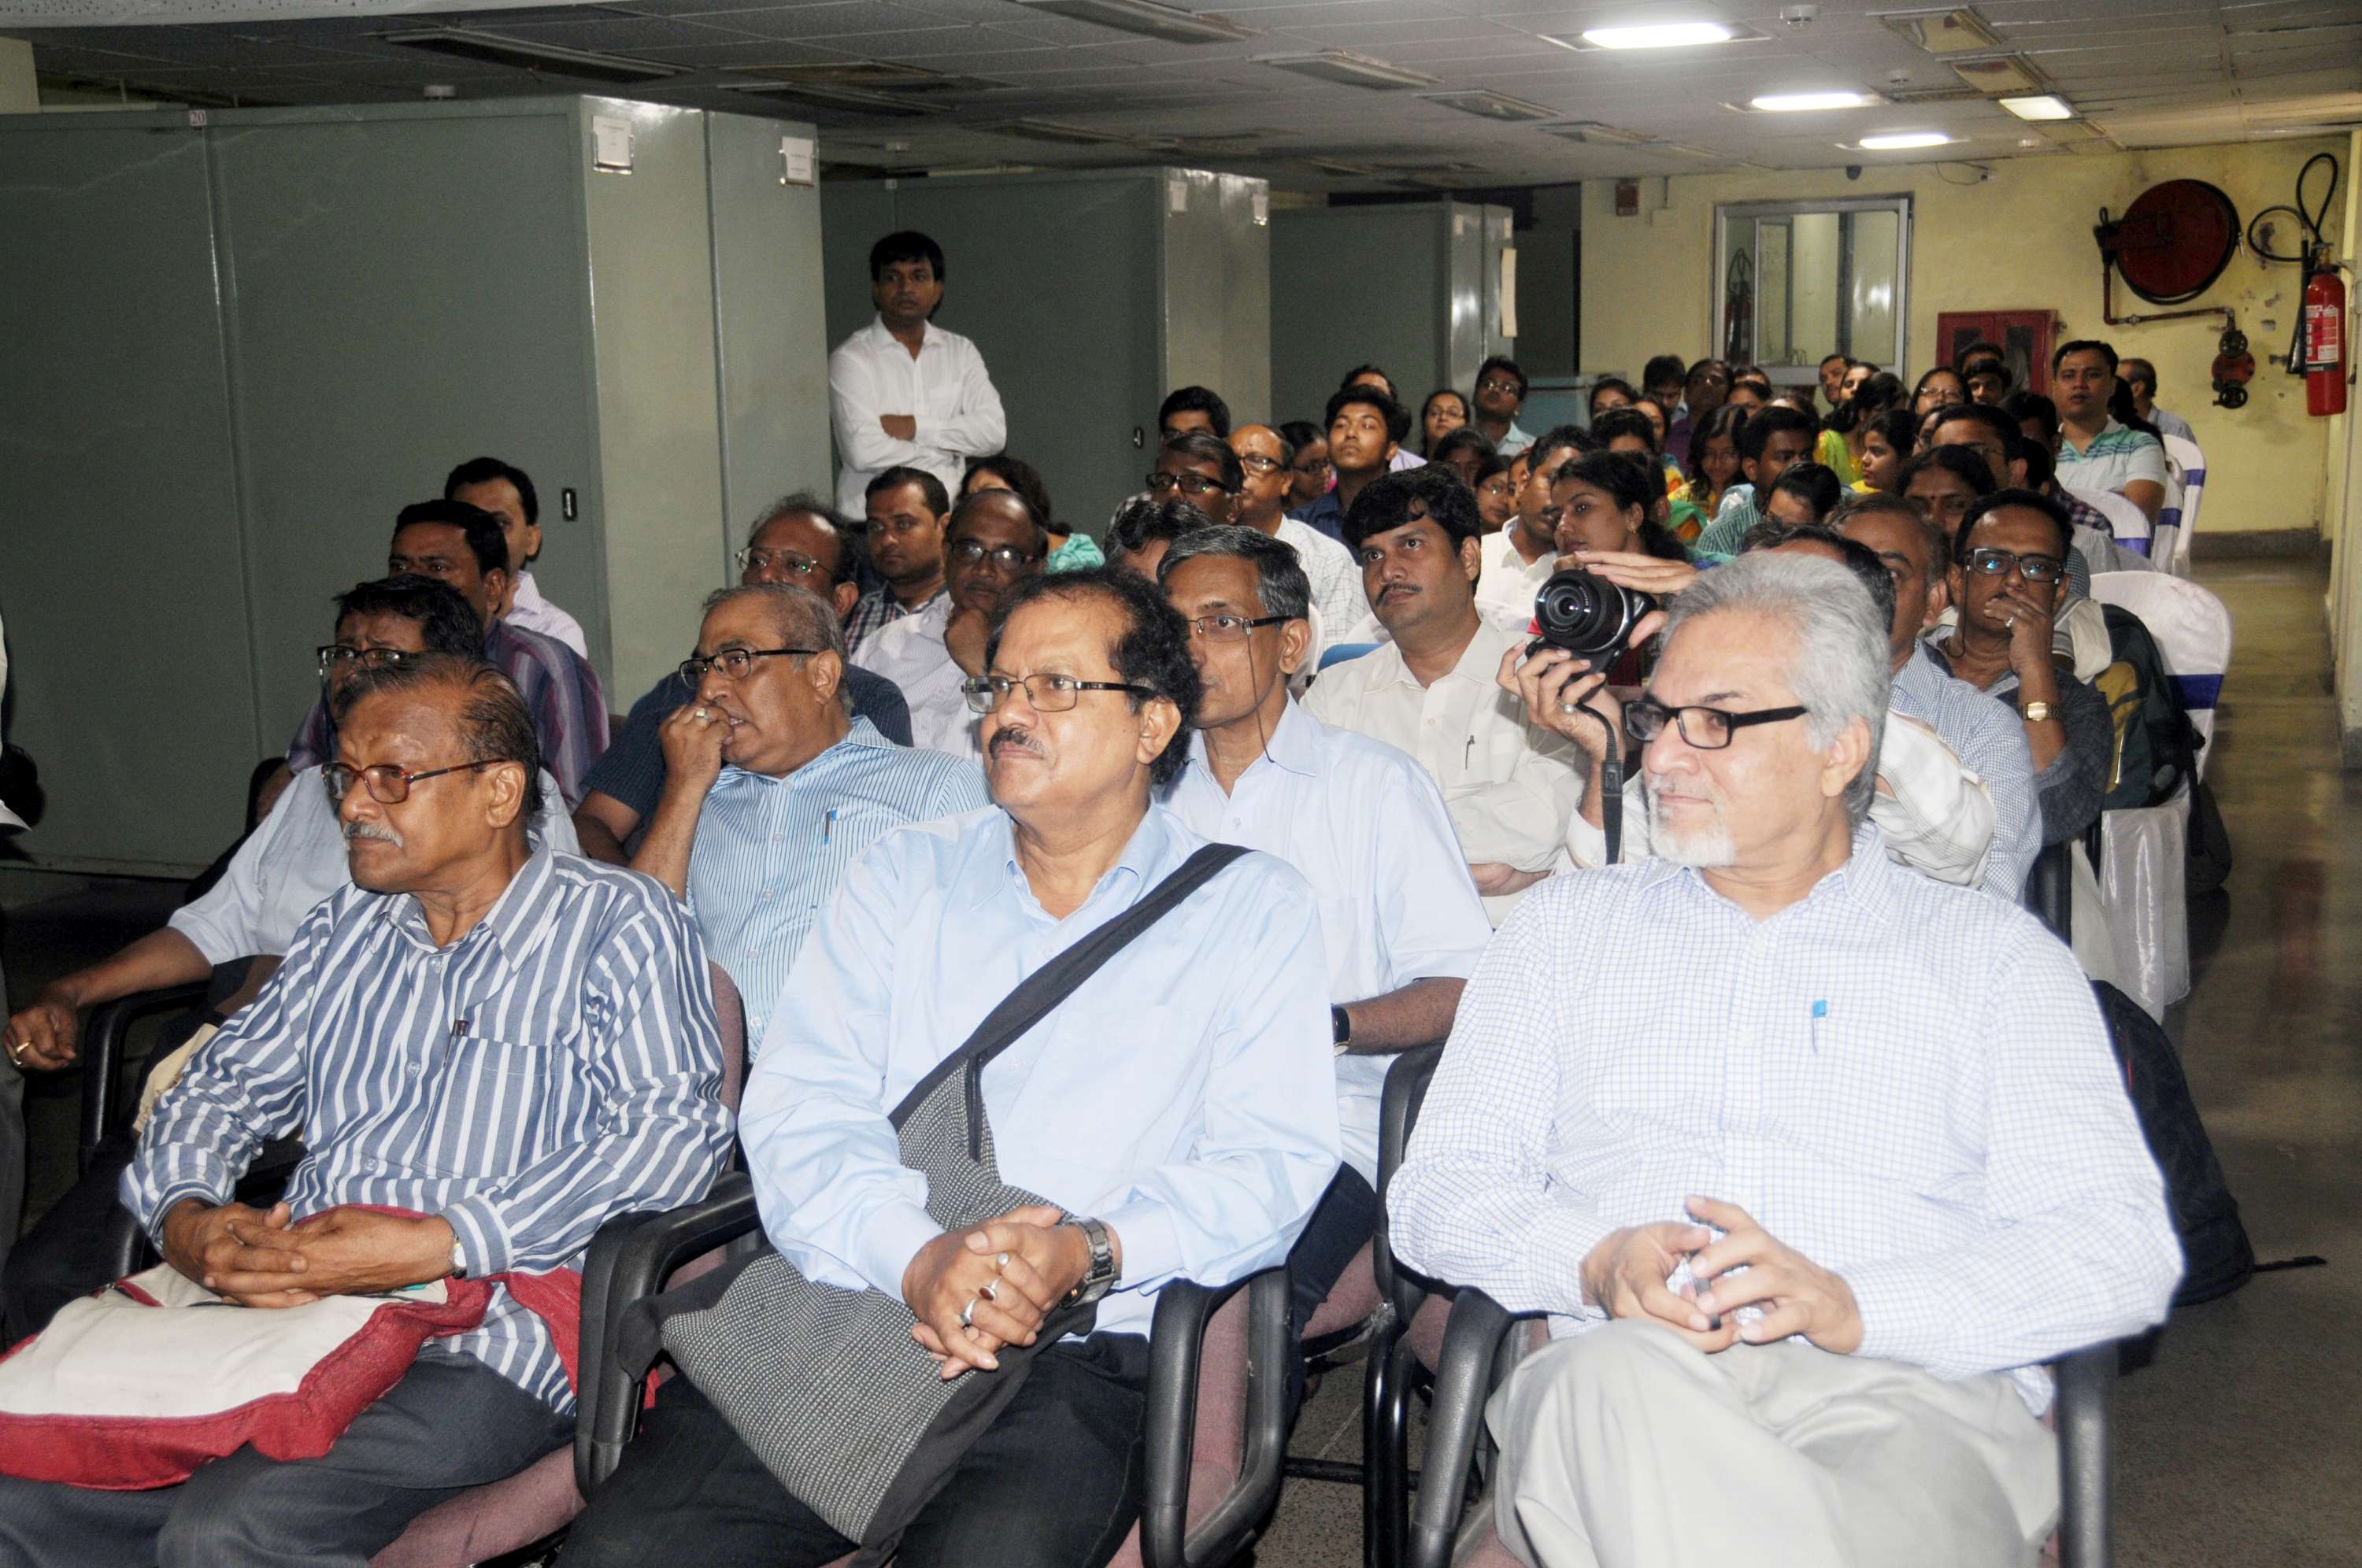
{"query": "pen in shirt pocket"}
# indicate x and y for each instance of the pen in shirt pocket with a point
(828, 825)
(1820, 1012)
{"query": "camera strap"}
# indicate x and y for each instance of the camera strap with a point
(1611, 804)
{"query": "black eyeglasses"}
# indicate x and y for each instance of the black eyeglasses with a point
(1046, 693)
(1188, 484)
(1986, 562)
(792, 562)
(1706, 729)
(1257, 463)
(335, 654)
(387, 785)
(736, 663)
(1231, 628)
(972, 552)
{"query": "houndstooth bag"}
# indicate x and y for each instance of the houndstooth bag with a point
(825, 1384)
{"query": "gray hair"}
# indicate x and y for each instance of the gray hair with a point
(805, 504)
(494, 723)
(1839, 669)
(803, 618)
(1280, 581)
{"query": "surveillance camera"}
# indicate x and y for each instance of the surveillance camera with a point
(1798, 17)
(1853, 171)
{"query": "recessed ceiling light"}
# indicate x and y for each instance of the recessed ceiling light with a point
(1598, 134)
(1958, 31)
(1791, 102)
(1168, 22)
(1658, 35)
(1491, 105)
(1904, 142)
(2048, 106)
(1347, 68)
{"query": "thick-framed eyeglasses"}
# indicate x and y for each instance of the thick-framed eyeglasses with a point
(1188, 484)
(1986, 562)
(795, 563)
(736, 663)
(1046, 693)
(1257, 463)
(387, 785)
(1497, 384)
(1231, 628)
(1313, 466)
(334, 656)
(1007, 557)
(1704, 729)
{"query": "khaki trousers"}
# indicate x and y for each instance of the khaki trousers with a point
(1623, 1447)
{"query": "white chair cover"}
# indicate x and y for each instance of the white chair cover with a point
(2127, 523)
(2192, 631)
(2185, 468)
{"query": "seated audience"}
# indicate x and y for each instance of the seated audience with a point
(1868, 397)
(1519, 559)
(1704, 389)
(797, 544)
(1752, 390)
(2037, 417)
(1463, 451)
(1335, 576)
(2140, 377)
(1500, 395)
(1496, 497)
(1144, 528)
(1606, 503)
(1886, 445)
(1661, 380)
(1712, 461)
(1768, 1308)
(1188, 410)
(1070, 549)
(1444, 412)
(1430, 690)
(1632, 434)
(1942, 482)
(1309, 473)
(1986, 369)
(1399, 918)
(1938, 387)
(1199, 469)
(1611, 391)
(906, 509)
(596, 1095)
(505, 491)
(1372, 376)
(462, 545)
(1653, 412)
(1769, 443)
(1196, 1153)
(1832, 373)
(772, 788)
(993, 544)
(2096, 451)
(2095, 541)
(1804, 496)
(1984, 430)
(1365, 430)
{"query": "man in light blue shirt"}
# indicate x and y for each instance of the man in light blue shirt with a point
(1180, 1102)
(772, 789)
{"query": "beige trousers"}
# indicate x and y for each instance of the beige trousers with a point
(1623, 1447)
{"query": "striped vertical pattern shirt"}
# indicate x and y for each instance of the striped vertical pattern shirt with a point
(1990, 741)
(558, 1064)
(1732, 519)
(879, 609)
(771, 852)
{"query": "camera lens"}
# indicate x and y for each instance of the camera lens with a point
(1588, 615)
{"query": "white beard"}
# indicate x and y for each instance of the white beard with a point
(1706, 847)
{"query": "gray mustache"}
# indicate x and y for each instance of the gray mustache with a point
(377, 831)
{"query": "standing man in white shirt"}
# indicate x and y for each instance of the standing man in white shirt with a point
(1399, 918)
(1431, 690)
(905, 393)
(506, 492)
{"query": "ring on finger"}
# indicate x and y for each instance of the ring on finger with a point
(967, 1316)
(989, 1290)
(1000, 1263)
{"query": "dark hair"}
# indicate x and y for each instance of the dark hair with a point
(446, 624)
(485, 540)
(1663, 368)
(1700, 367)
(1195, 400)
(1861, 504)
(484, 470)
(2032, 501)
(968, 503)
(1627, 480)
(1873, 398)
(1625, 422)
(1930, 373)
(1570, 437)
(1841, 358)
(1143, 520)
(494, 723)
(806, 504)
(905, 245)
(1199, 447)
(1440, 391)
(1964, 463)
(931, 488)
(1753, 376)
(1982, 348)
(1900, 427)
(2041, 468)
(1857, 558)
(1768, 421)
(1378, 372)
(1152, 651)
(1816, 484)
(2022, 406)
(2107, 351)
(1393, 501)
(1503, 362)
(1493, 463)
(2146, 374)
(1397, 419)
(1280, 582)
(1299, 434)
(1018, 475)
(1466, 438)
(1994, 419)
(1989, 364)
(2124, 412)
(1721, 424)
(1610, 383)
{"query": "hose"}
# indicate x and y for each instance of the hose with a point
(2308, 223)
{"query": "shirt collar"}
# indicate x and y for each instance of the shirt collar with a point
(929, 335)
(512, 926)
(997, 875)
(863, 736)
(1293, 745)
(1866, 879)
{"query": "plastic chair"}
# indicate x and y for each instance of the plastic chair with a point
(105, 1105)
(2192, 630)
(2185, 488)
(2127, 524)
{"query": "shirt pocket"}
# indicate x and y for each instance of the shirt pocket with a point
(493, 1113)
(1115, 1105)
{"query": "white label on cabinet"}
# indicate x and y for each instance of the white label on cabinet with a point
(610, 144)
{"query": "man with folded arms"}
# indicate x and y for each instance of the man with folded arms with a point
(513, 1045)
(1806, 1218)
(1176, 1107)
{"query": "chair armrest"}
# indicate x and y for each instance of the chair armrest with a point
(102, 1056)
(1399, 1106)
(631, 1258)
(1473, 1337)
(2087, 1381)
(1176, 1343)
(128, 1247)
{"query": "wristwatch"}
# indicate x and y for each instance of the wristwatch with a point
(2034, 713)
(458, 1259)
(1341, 1026)
(1099, 1278)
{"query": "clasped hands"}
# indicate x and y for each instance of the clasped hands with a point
(260, 1259)
(983, 1287)
(1628, 1275)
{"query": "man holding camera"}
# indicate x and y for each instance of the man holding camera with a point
(1511, 785)
(1813, 1178)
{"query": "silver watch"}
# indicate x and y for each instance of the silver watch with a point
(1099, 1278)
(458, 1259)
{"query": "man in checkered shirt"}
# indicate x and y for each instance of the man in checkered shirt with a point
(1812, 1160)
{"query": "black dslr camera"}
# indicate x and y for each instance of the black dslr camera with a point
(1588, 616)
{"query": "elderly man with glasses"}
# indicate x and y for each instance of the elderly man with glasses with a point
(492, 1048)
(773, 787)
(993, 547)
(1807, 1217)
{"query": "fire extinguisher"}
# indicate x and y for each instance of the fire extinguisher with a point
(2325, 340)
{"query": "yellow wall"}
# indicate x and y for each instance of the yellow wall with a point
(2021, 240)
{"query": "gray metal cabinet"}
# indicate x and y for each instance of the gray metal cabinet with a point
(238, 349)
(1090, 295)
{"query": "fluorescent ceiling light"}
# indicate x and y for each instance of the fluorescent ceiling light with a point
(1168, 22)
(1958, 31)
(1658, 35)
(1904, 142)
(1347, 68)
(1491, 105)
(1598, 134)
(2047, 107)
(859, 100)
(496, 49)
(1790, 103)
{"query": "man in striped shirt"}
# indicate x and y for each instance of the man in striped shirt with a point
(772, 788)
(508, 1045)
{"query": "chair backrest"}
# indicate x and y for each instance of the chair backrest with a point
(2192, 631)
(730, 1012)
(2127, 524)
(2187, 465)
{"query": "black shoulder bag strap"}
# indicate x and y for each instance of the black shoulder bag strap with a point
(1054, 982)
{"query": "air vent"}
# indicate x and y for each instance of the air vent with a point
(1168, 22)
(1492, 106)
(1945, 94)
(1949, 32)
(884, 75)
(1350, 69)
(2003, 76)
(547, 59)
(857, 100)
(1597, 135)
(1058, 131)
